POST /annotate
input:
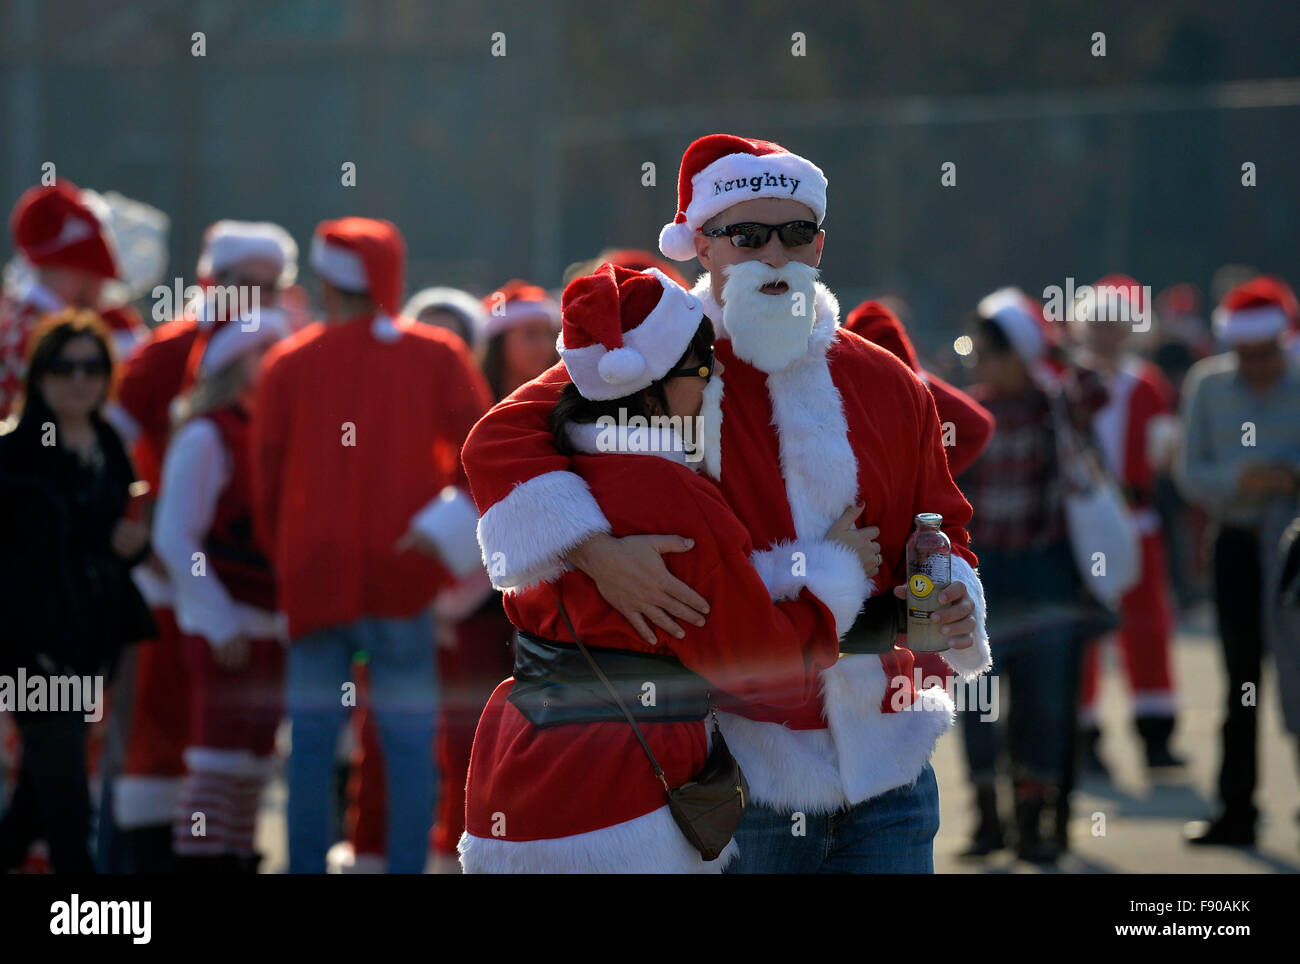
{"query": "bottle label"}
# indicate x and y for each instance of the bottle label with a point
(920, 585)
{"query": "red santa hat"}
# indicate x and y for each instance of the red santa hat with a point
(1256, 310)
(362, 255)
(639, 260)
(228, 243)
(515, 303)
(720, 170)
(58, 226)
(625, 329)
(880, 326)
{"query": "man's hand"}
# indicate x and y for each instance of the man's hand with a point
(861, 542)
(631, 577)
(957, 615)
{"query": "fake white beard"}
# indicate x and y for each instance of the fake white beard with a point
(769, 331)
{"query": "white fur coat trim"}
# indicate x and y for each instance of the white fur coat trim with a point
(649, 844)
(818, 465)
(878, 751)
(233, 763)
(450, 522)
(787, 769)
(526, 534)
(140, 801)
(973, 660)
(828, 570)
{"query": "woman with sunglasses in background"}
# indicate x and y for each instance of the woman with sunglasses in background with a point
(66, 551)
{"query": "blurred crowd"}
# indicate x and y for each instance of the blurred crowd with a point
(157, 533)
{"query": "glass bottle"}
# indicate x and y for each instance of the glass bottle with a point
(929, 569)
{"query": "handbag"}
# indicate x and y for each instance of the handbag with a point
(1097, 516)
(708, 809)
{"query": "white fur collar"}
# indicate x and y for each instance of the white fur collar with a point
(662, 440)
(826, 314)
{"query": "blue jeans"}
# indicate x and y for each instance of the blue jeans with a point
(889, 834)
(402, 697)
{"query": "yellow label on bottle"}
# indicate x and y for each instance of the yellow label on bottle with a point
(920, 585)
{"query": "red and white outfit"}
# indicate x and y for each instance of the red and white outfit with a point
(844, 422)
(1135, 424)
(328, 396)
(155, 374)
(582, 797)
(56, 226)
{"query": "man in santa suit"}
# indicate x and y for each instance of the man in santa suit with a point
(357, 425)
(260, 259)
(58, 232)
(1135, 430)
(811, 420)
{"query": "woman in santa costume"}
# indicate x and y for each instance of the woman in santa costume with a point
(812, 420)
(224, 602)
(234, 254)
(1136, 430)
(567, 789)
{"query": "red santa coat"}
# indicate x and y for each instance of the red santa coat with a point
(19, 315)
(848, 421)
(583, 797)
(356, 425)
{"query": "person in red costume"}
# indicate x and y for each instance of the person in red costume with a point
(1136, 430)
(553, 791)
(258, 259)
(811, 420)
(58, 231)
(358, 498)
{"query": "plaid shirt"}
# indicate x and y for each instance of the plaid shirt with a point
(1015, 485)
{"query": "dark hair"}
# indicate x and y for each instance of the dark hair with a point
(573, 408)
(494, 365)
(993, 334)
(46, 342)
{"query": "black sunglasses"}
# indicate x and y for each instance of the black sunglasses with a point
(704, 371)
(753, 234)
(68, 367)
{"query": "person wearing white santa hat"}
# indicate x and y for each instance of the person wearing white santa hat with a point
(59, 231)
(257, 259)
(558, 785)
(1240, 461)
(230, 637)
(800, 433)
(1136, 431)
(451, 308)
(358, 498)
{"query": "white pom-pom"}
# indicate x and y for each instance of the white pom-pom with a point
(676, 241)
(621, 366)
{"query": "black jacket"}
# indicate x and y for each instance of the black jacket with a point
(67, 601)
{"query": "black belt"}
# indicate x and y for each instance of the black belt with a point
(555, 685)
(877, 627)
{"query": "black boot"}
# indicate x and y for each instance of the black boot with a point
(1090, 762)
(1231, 828)
(988, 833)
(1032, 798)
(1155, 732)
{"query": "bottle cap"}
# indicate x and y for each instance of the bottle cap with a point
(931, 520)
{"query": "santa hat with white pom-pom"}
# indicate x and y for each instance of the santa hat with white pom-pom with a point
(623, 329)
(720, 170)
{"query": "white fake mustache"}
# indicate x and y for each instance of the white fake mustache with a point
(770, 331)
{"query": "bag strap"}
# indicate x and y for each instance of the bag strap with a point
(612, 692)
